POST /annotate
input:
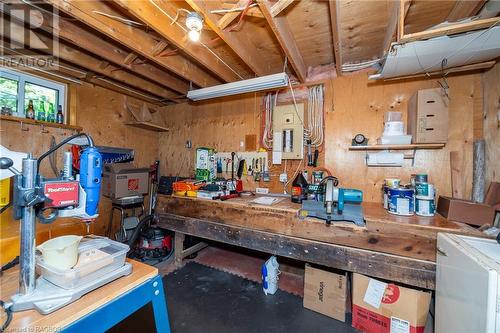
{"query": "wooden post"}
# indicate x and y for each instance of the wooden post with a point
(178, 247)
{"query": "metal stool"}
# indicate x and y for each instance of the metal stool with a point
(123, 204)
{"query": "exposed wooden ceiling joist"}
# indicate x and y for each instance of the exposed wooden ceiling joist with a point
(71, 55)
(238, 43)
(337, 45)
(228, 18)
(133, 38)
(281, 30)
(451, 30)
(158, 16)
(465, 8)
(396, 23)
(280, 6)
(92, 43)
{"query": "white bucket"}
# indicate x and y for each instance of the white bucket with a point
(61, 252)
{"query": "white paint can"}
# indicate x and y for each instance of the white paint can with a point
(425, 206)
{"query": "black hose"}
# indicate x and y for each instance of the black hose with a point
(62, 143)
(8, 311)
(137, 232)
(10, 264)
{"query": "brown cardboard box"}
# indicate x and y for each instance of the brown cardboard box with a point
(428, 117)
(378, 307)
(325, 292)
(465, 211)
(124, 179)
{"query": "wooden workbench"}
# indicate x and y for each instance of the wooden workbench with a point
(32, 321)
(393, 247)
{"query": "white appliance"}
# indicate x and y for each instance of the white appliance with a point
(267, 82)
(467, 284)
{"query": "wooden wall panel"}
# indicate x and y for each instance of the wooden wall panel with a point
(353, 105)
(101, 113)
(491, 82)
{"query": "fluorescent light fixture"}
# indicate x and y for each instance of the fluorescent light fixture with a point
(267, 82)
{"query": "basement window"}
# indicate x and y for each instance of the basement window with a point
(17, 89)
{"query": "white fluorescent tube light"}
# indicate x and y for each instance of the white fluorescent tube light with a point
(267, 82)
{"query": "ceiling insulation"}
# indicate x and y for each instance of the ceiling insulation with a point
(440, 53)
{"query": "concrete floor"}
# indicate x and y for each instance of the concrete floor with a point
(206, 299)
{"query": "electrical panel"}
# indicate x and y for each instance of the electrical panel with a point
(288, 122)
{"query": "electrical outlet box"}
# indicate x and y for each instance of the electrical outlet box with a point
(288, 122)
(283, 177)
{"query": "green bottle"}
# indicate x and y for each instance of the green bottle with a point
(41, 111)
(51, 114)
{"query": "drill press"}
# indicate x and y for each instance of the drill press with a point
(66, 196)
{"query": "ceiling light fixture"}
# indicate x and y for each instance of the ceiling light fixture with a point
(194, 23)
(267, 82)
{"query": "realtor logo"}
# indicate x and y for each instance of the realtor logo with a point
(29, 31)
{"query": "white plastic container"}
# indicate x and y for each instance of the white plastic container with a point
(270, 277)
(96, 257)
(61, 252)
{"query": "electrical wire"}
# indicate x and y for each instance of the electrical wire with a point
(120, 19)
(8, 312)
(202, 44)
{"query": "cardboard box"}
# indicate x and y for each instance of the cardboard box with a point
(123, 180)
(428, 116)
(465, 211)
(379, 307)
(325, 292)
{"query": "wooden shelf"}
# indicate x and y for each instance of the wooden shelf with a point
(39, 123)
(399, 147)
(148, 126)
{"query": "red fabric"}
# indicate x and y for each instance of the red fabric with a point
(370, 322)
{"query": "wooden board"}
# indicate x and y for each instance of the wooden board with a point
(491, 84)
(32, 320)
(413, 237)
(418, 273)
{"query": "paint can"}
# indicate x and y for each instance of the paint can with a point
(392, 182)
(401, 201)
(421, 178)
(424, 190)
(425, 206)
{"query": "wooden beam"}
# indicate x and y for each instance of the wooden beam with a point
(283, 34)
(395, 20)
(419, 273)
(280, 6)
(334, 7)
(133, 38)
(158, 15)
(130, 58)
(252, 11)
(69, 54)
(239, 44)
(451, 30)
(228, 18)
(464, 9)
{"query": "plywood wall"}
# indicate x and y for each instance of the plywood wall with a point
(101, 113)
(353, 105)
(491, 81)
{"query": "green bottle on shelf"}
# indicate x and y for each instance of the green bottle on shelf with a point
(41, 110)
(51, 114)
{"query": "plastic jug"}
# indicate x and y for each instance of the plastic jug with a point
(270, 274)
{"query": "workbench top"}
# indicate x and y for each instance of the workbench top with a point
(412, 236)
(32, 321)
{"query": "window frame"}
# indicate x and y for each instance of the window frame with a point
(23, 78)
